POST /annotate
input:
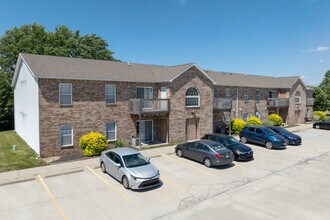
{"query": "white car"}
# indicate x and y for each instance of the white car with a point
(130, 167)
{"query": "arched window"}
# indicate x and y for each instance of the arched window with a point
(297, 97)
(192, 97)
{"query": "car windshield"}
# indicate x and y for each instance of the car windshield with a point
(269, 131)
(135, 160)
(230, 141)
(283, 131)
(216, 146)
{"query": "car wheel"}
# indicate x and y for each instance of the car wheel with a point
(317, 126)
(269, 145)
(179, 153)
(207, 162)
(125, 182)
(287, 141)
(243, 139)
(103, 168)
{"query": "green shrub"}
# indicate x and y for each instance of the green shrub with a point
(237, 125)
(93, 143)
(319, 116)
(121, 143)
(276, 119)
(253, 120)
(268, 123)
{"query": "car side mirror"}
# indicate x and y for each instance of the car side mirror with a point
(148, 159)
(118, 165)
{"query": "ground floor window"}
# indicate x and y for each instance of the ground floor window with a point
(245, 116)
(111, 132)
(271, 112)
(66, 133)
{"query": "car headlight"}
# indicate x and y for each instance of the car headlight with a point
(238, 152)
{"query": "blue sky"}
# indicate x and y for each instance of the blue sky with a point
(263, 37)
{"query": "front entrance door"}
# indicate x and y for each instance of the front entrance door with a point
(146, 128)
(191, 128)
(296, 116)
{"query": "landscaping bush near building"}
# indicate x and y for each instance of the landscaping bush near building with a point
(121, 143)
(237, 125)
(253, 120)
(93, 143)
(319, 116)
(276, 119)
(268, 123)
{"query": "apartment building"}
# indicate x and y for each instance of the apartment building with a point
(58, 99)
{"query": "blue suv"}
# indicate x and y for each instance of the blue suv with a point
(262, 135)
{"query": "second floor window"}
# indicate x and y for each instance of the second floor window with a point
(228, 93)
(246, 95)
(257, 95)
(192, 97)
(297, 98)
(65, 93)
(110, 94)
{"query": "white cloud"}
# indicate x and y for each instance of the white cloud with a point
(182, 1)
(318, 49)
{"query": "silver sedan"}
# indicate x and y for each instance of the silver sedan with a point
(129, 167)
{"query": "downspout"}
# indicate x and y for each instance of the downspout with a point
(237, 102)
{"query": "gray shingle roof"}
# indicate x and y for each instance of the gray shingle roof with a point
(246, 80)
(86, 69)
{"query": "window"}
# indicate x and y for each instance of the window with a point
(271, 94)
(111, 131)
(257, 95)
(297, 98)
(192, 97)
(246, 95)
(110, 94)
(259, 131)
(245, 116)
(66, 133)
(145, 93)
(251, 129)
(65, 94)
(228, 93)
(257, 114)
(271, 112)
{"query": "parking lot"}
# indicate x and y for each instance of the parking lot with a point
(281, 184)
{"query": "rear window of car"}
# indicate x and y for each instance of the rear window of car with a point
(216, 146)
(251, 129)
(269, 131)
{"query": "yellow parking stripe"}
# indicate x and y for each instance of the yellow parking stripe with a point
(187, 165)
(169, 182)
(53, 198)
(111, 186)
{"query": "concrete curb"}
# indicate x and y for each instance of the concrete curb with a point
(19, 180)
(64, 172)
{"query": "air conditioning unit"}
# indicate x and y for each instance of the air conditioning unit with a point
(135, 142)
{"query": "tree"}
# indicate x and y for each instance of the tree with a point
(321, 99)
(34, 39)
(325, 84)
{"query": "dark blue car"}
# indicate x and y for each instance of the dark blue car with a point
(290, 137)
(262, 135)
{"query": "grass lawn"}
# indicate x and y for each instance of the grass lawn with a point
(22, 157)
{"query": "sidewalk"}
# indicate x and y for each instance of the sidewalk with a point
(79, 165)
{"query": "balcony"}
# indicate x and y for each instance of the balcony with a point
(278, 102)
(222, 104)
(149, 106)
(310, 101)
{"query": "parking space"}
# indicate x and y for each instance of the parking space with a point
(91, 194)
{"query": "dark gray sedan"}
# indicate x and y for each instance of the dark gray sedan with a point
(210, 153)
(129, 167)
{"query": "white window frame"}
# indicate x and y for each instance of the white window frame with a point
(66, 145)
(273, 92)
(144, 93)
(152, 128)
(247, 116)
(297, 97)
(192, 96)
(228, 93)
(106, 131)
(59, 94)
(246, 96)
(115, 94)
(258, 97)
